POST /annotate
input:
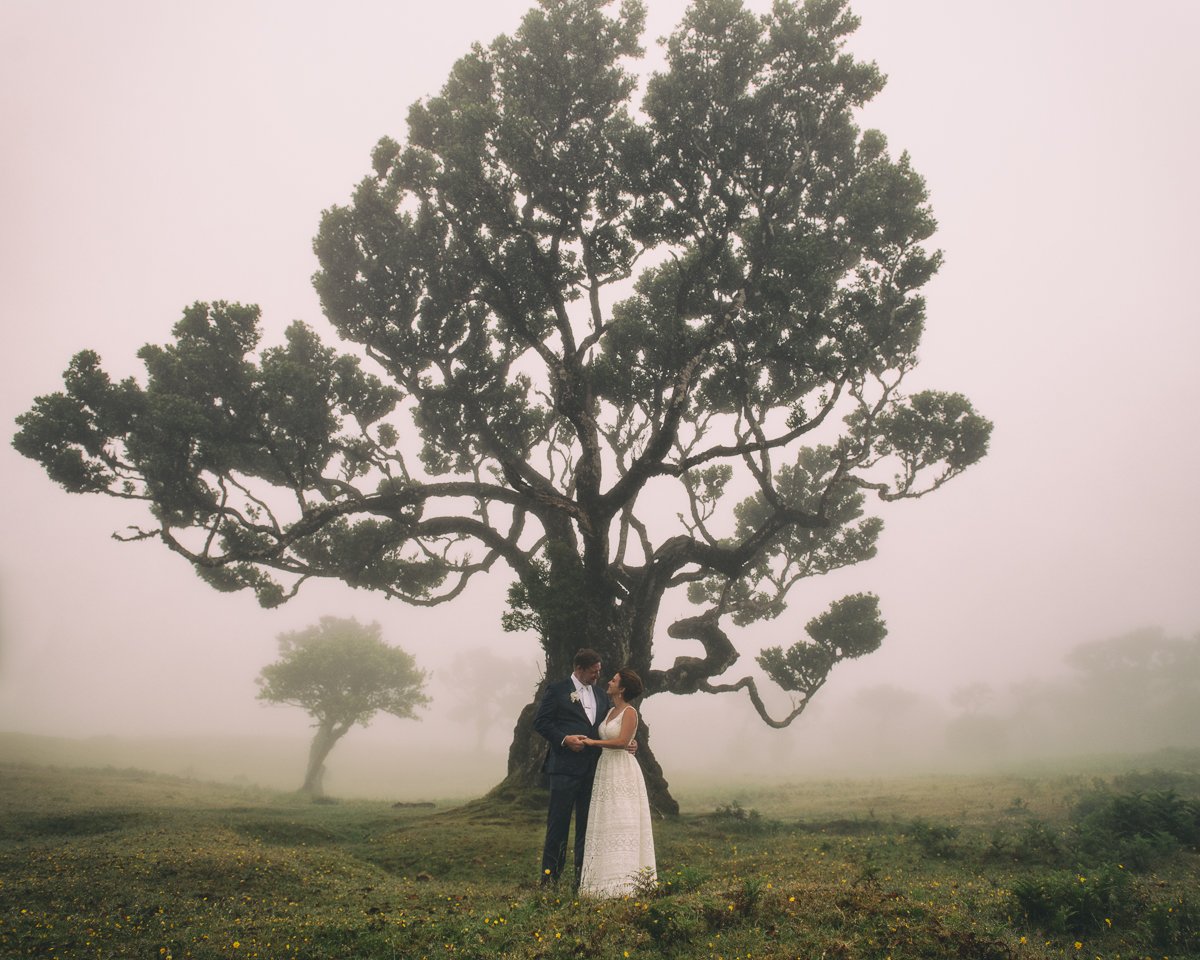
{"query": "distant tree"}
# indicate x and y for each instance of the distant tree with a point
(1139, 690)
(1131, 693)
(640, 349)
(488, 690)
(972, 698)
(342, 673)
(888, 724)
(976, 733)
(1141, 659)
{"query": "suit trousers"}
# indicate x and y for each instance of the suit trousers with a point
(567, 794)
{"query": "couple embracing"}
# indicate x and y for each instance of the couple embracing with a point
(590, 764)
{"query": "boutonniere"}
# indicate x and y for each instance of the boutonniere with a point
(575, 697)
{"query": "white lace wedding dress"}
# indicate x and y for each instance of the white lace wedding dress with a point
(618, 851)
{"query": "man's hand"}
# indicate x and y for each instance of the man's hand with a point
(632, 748)
(574, 742)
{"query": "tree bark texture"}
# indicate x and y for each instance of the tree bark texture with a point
(323, 742)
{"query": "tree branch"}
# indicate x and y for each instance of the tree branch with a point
(748, 684)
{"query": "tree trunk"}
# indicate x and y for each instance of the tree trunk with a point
(581, 609)
(661, 801)
(323, 741)
(525, 782)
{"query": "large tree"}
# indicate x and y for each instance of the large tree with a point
(638, 350)
(343, 673)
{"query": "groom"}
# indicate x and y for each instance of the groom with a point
(570, 710)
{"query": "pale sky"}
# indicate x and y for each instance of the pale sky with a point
(158, 154)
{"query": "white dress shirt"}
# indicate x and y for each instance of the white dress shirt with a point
(587, 696)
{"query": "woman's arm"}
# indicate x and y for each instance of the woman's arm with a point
(629, 721)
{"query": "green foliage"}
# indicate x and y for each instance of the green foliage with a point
(1036, 843)
(932, 428)
(548, 599)
(1174, 926)
(851, 628)
(1072, 902)
(748, 898)
(343, 673)
(682, 879)
(1183, 782)
(934, 839)
(1136, 829)
(1119, 834)
(735, 818)
(734, 812)
(672, 925)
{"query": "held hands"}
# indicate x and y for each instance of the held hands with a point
(575, 742)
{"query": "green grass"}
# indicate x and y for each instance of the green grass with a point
(105, 863)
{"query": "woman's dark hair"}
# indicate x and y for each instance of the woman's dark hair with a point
(631, 684)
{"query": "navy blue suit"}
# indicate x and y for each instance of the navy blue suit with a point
(570, 772)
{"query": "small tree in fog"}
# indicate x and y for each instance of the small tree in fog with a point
(342, 673)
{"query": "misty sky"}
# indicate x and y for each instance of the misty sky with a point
(158, 154)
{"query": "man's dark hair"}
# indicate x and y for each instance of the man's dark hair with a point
(585, 658)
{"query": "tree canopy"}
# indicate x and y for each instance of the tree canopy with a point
(629, 339)
(342, 673)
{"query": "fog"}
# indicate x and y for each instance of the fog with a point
(158, 154)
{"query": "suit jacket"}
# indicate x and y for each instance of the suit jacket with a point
(559, 716)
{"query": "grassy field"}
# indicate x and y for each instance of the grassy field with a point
(112, 863)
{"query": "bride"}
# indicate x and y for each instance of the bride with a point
(618, 852)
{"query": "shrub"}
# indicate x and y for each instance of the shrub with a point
(735, 813)
(645, 884)
(1035, 842)
(733, 816)
(1065, 901)
(748, 898)
(681, 880)
(1174, 926)
(868, 873)
(1182, 782)
(1136, 829)
(671, 924)
(935, 839)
